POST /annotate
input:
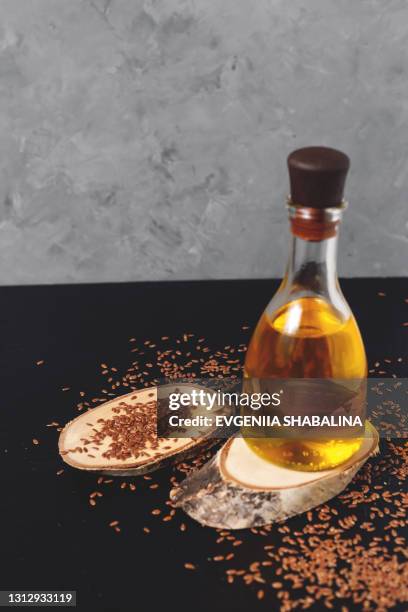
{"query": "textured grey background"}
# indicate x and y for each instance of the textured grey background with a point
(147, 139)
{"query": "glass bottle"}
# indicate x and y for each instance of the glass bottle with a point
(308, 329)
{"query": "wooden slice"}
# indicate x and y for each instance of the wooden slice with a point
(77, 440)
(238, 489)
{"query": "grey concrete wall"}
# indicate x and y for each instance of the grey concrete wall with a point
(147, 139)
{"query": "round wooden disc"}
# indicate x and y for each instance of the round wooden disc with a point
(241, 465)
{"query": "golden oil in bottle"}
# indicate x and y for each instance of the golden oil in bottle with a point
(306, 338)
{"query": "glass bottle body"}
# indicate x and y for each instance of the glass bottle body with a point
(307, 331)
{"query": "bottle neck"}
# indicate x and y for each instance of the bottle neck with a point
(312, 265)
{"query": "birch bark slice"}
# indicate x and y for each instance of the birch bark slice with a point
(237, 489)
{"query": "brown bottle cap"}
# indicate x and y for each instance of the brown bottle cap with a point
(317, 176)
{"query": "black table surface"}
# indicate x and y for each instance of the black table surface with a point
(52, 538)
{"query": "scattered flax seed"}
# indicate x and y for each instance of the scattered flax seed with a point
(349, 551)
(65, 388)
(113, 523)
(35, 442)
(117, 529)
(40, 362)
(60, 472)
(381, 294)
